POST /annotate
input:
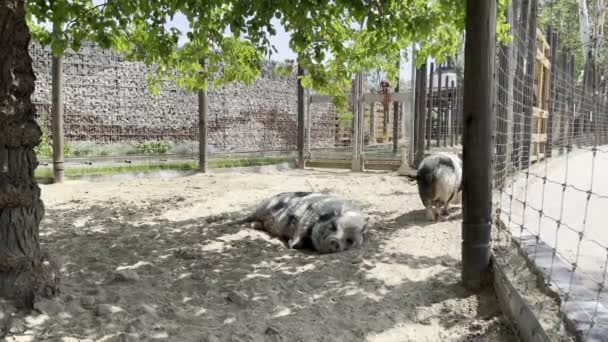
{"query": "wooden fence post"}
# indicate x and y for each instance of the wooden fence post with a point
(553, 41)
(439, 107)
(530, 69)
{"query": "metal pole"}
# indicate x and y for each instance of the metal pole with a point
(301, 125)
(360, 110)
(202, 126)
(308, 123)
(57, 98)
(396, 111)
(355, 136)
(412, 110)
(421, 106)
(439, 107)
(477, 144)
(429, 112)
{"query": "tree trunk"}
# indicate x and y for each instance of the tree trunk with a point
(25, 271)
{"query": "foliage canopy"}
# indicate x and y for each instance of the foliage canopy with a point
(333, 39)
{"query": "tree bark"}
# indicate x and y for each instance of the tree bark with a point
(26, 272)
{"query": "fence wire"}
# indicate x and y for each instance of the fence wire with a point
(551, 147)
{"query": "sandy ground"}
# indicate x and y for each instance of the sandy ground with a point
(155, 260)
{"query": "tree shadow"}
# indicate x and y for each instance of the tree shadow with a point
(127, 276)
(418, 217)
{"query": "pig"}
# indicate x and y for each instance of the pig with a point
(439, 178)
(324, 223)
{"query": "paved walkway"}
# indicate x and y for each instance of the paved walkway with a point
(580, 239)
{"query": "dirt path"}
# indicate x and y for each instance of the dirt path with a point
(155, 260)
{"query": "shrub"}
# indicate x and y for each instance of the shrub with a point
(152, 147)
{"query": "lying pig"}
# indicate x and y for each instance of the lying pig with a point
(439, 178)
(325, 223)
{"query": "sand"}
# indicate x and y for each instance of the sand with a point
(155, 260)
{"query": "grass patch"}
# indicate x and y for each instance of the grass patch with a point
(47, 171)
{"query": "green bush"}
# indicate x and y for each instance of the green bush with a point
(152, 147)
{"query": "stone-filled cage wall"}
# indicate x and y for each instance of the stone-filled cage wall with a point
(109, 110)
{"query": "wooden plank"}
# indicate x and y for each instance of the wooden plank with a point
(538, 138)
(540, 113)
(540, 57)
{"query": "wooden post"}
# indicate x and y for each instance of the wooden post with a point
(439, 107)
(528, 100)
(301, 123)
(420, 109)
(396, 113)
(452, 114)
(511, 64)
(356, 162)
(553, 41)
(477, 148)
(502, 121)
(202, 126)
(563, 105)
(446, 116)
(573, 108)
(360, 113)
(448, 113)
(308, 124)
(519, 76)
(429, 109)
(410, 121)
(58, 131)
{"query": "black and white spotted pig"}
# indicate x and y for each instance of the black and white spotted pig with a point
(439, 178)
(325, 223)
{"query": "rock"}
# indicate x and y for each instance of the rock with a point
(159, 336)
(126, 275)
(423, 315)
(210, 338)
(238, 298)
(273, 335)
(129, 337)
(17, 326)
(109, 310)
(148, 310)
(49, 307)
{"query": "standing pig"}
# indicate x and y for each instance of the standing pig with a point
(439, 178)
(326, 223)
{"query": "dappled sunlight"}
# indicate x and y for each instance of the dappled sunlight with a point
(395, 274)
(172, 267)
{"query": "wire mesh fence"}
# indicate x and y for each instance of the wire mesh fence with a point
(443, 107)
(551, 144)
